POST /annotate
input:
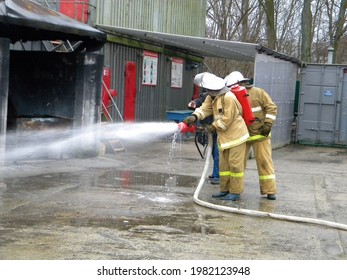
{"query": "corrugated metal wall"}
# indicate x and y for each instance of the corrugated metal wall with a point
(182, 17)
(185, 17)
(278, 77)
(322, 115)
(152, 102)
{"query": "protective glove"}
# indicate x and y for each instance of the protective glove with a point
(190, 120)
(266, 129)
(191, 105)
(210, 128)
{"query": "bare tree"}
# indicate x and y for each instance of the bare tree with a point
(329, 29)
(269, 9)
(306, 31)
(320, 40)
(338, 28)
(245, 20)
(230, 20)
(217, 18)
(233, 20)
(299, 28)
(287, 26)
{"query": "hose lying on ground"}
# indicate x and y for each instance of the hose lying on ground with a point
(252, 212)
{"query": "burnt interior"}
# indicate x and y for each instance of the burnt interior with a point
(41, 84)
(46, 89)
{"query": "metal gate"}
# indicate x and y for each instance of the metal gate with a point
(322, 114)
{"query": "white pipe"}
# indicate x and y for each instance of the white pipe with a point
(252, 212)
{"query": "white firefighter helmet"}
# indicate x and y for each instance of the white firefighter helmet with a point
(198, 78)
(209, 81)
(233, 78)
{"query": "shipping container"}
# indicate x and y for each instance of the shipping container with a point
(322, 114)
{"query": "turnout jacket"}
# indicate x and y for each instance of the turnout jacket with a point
(227, 114)
(198, 103)
(263, 108)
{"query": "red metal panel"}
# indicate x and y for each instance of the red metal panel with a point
(76, 9)
(130, 91)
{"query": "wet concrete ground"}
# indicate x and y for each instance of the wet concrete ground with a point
(138, 204)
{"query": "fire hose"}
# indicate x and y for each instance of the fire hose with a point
(196, 141)
(249, 212)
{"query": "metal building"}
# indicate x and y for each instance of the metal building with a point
(278, 74)
(173, 67)
(275, 72)
(59, 85)
(151, 99)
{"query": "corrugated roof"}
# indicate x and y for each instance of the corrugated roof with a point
(200, 46)
(196, 45)
(28, 21)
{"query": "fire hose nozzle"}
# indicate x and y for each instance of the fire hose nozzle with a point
(185, 128)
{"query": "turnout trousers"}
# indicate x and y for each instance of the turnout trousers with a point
(266, 171)
(231, 169)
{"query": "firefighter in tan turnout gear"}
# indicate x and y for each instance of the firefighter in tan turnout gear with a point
(231, 130)
(265, 111)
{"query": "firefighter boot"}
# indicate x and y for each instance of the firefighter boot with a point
(214, 181)
(231, 196)
(220, 194)
(271, 197)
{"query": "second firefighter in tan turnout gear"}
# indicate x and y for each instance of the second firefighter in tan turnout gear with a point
(231, 130)
(265, 111)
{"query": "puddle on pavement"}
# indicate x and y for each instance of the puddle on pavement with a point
(127, 178)
(138, 202)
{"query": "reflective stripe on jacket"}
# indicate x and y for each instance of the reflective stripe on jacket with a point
(227, 113)
(264, 110)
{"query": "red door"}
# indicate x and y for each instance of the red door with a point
(130, 91)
